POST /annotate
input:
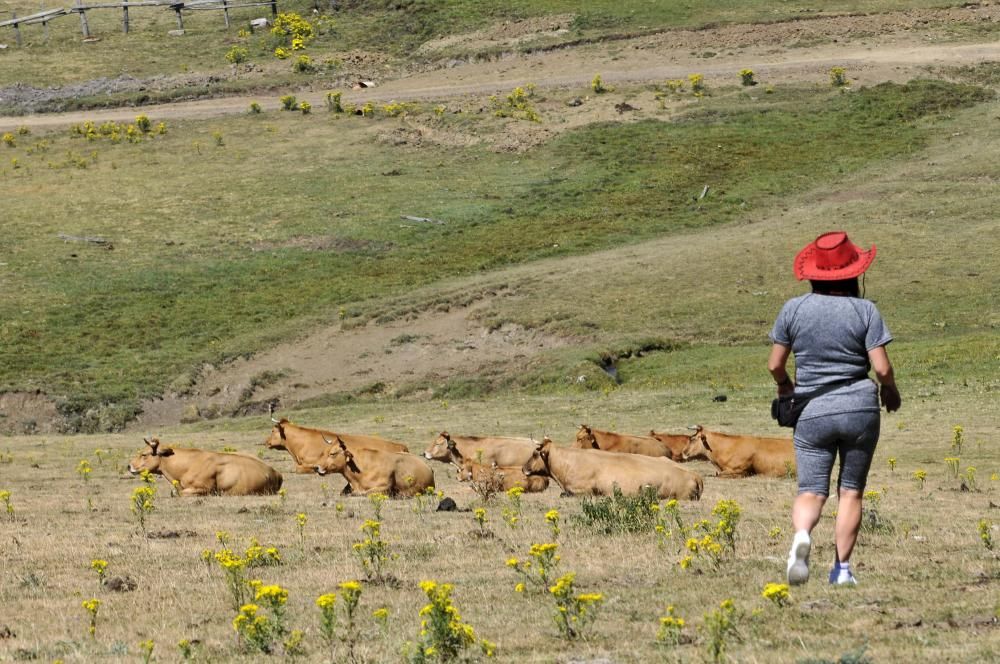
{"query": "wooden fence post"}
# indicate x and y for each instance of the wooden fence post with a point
(125, 18)
(274, 7)
(225, 11)
(45, 25)
(17, 29)
(180, 21)
(84, 27)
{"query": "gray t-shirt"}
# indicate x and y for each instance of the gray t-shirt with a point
(830, 336)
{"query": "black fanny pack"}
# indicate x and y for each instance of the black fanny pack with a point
(786, 410)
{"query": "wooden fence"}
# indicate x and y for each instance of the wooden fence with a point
(177, 6)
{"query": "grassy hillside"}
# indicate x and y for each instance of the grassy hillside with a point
(295, 220)
(392, 29)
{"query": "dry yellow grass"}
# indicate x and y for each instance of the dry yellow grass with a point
(927, 592)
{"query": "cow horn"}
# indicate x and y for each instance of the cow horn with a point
(326, 440)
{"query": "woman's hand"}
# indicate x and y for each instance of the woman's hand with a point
(890, 397)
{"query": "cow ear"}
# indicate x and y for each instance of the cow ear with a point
(704, 441)
(165, 452)
(452, 445)
(341, 443)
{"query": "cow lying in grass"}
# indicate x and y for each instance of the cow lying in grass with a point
(595, 439)
(505, 451)
(598, 473)
(200, 472)
(393, 474)
(740, 456)
(307, 446)
(510, 476)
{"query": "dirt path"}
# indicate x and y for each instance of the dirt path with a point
(771, 51)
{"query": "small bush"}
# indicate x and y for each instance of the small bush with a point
(237, 55)
(619, 513)
(288, 102)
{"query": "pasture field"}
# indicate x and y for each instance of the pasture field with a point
(618, 262)
(928, 584)
(222, 270)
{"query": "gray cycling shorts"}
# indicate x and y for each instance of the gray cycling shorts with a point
(818, 442)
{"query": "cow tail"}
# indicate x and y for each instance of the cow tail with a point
(699, 486)
(276, 481)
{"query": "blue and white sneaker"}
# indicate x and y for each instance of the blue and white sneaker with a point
(798, 559)
(842, 577)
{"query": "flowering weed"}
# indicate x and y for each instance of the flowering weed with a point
(372, 552)
(540, 567)
(573, 611)
(142, 505)
(443, 635)
(101, 567)
(671, 631)
(777, 593)
(720, 626)
(552, 519)
(8, 506)
(511, 511)
(986, 533)
(92, 606)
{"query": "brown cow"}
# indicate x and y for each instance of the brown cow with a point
(740, 456)
(598, 473)
(307, 446)
(367, 471)
(482, 449)
(512, 476)
(675, 442)
(595, 439)
(200, 472)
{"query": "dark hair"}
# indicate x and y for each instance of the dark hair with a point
(841, 287)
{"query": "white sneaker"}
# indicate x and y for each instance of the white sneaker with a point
(840, 577)
(798, 559)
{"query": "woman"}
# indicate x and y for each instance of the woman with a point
(836, 337)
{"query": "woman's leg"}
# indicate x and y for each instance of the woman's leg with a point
(806, 510)
(814, 462)
(860, 433)
(848, 522)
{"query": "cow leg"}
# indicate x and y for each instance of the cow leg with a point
(733, 474)
(347, 490)
(384, 489)
(305, 470)
(194, 491)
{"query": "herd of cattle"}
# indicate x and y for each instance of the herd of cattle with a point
(595, 464)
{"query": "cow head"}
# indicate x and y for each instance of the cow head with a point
(336, 459)
(538, 464)
(697, 446)
(440, 449)
(585, 439)
(464, 470)
(276, 441)
(149, 458)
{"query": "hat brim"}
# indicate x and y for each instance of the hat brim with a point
(805, 265)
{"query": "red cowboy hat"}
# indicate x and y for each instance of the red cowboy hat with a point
(832, 257)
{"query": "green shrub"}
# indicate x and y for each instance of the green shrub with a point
(618, 513)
